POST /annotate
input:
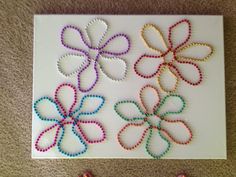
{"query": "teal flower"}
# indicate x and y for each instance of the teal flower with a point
(67, 123)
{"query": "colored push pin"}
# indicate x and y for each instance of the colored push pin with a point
(182, 175)
(86, 174)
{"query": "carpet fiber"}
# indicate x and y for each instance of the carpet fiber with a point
(16, 53)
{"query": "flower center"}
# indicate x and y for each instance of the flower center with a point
(93, 54)
(169, 57)
(68, 119)
(153, 120)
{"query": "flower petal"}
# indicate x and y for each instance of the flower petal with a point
(153, 38)
(167, 79)
(47, 139)
(117, 45)
(157, 145)
(195, 52)
(88, 77)
(70, 142)
(96, 31)
(66, 98)
(72, 38)
(91, 131)
(179, 34)
(176, 130)
(129, 110)
(188, 71)
(150, 98)
(70, 64)
(47, 109)
(90, 104)
(147, 66)
(114, 68)
(170, 104)
(132, 135)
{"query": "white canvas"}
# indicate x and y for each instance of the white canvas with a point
(205, 111)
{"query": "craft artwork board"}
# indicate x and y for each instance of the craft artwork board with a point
(205, 103)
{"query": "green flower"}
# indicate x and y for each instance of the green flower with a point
(156, 118)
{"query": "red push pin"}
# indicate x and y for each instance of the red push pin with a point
(86, 174)
(182, 175)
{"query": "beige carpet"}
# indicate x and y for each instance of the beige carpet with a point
(16, 47)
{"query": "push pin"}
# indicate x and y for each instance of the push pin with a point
(182, 175)
(86, 174)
